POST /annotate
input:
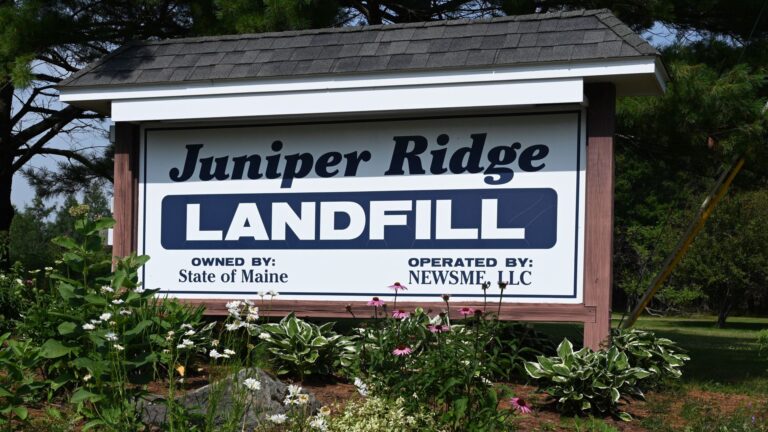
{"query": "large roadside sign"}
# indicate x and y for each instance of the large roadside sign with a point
(338, 211)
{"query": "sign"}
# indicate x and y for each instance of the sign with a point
(339, 211)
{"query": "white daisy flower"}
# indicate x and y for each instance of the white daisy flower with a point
(110, 337)
(88, 326)
(217, 355)
(105, 316)
(278, 418)
(252, 384)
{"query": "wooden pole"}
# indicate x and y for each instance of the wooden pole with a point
(126, 189)
(598, 232)
(716, 194)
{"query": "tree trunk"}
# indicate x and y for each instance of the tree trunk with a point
(6, 174)
(725, 309)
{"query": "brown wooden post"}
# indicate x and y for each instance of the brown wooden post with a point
(126, 189)
(598, 241)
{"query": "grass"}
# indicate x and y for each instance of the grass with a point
(723, 360)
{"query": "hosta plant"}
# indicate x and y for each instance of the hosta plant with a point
(587, 381)
(660, 356)
(301, 348)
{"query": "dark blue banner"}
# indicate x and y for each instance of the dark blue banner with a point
(430, 219)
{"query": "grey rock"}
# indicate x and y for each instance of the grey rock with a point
(229, 399)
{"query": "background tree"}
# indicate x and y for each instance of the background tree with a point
(43, 41)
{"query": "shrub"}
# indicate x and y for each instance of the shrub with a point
(13, 301)
(376, 414)
(301, 348)
(444, 365)
(762, 342)
(106, 336)
(587, 381)
(659, 356)
(18, 386)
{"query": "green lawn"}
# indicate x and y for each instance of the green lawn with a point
(725, 360)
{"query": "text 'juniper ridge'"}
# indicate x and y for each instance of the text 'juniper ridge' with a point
(411, 155)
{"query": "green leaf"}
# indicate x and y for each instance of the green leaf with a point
(319, 341)
(66, 328)
(54, 349)
(565, 349)
(91, 424)
(66, 291)
(139, 328)
(59, 381)
(21, 412)
(102, 224)
(615, 395)
(96, 300)
(81, 395)
(460, 407)
(65, 242)
(625, 416)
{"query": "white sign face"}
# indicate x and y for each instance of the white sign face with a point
(340, 211)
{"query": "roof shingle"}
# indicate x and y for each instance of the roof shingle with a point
(503, 41)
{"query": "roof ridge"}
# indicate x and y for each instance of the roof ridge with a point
(379, 27)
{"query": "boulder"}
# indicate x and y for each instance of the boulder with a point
(229, 400)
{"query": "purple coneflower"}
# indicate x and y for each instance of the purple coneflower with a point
(466, 311)
(400, 314)
(402, 350)
(520, 405)
(397, 286)
(439, 328)
(375, 302)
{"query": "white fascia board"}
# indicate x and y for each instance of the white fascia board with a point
(351, 100)
(644, 66)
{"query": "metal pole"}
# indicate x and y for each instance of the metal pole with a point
(716, 194)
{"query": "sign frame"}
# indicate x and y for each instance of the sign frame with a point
(593, 312)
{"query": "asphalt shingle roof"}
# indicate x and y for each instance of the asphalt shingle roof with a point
(438, 45)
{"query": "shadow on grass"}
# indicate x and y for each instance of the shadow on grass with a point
(719, 358)
(710, 324)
